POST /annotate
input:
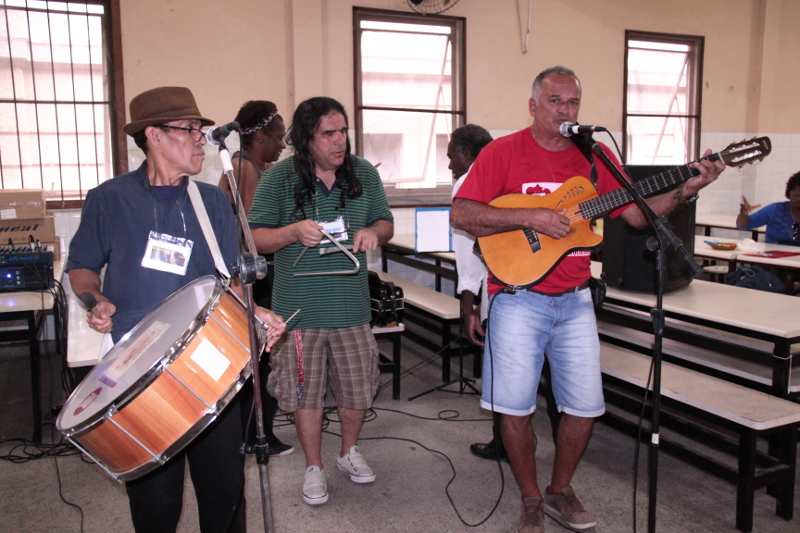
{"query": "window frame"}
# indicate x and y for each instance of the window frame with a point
(696, 45)
(458, 35)
(112, 36)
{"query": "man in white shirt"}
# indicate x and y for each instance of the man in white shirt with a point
(465, 144)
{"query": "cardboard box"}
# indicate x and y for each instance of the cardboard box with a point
(20, 230)
(22, 203)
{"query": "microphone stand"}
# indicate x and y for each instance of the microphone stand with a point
(663, 233)
(250, 267)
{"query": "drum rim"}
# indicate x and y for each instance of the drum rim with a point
(169, 356)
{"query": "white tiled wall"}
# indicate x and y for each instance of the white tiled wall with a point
(762, 183)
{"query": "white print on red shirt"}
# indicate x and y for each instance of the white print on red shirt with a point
(541, 188)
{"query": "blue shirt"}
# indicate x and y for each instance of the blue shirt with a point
(116, 222)
(778, 219)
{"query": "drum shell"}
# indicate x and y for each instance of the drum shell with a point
(176, 401)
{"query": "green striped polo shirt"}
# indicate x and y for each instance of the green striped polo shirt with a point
(328, 300)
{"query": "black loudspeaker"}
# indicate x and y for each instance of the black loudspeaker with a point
(628, 264)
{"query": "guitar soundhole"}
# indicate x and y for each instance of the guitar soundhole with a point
(533, 239)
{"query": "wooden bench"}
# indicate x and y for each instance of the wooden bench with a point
(392, 334)
(745, 372)
(712, 413)
(439, 312)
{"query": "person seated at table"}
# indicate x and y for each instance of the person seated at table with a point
(783, 224)
(781, 218)
(262, 132)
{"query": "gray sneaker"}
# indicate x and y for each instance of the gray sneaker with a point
(315, 486)
(565, 509)
(353, 463)
(531, 517)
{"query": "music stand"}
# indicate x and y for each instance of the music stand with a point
(463, 383)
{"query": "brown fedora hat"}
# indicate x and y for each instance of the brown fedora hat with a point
(163, 104)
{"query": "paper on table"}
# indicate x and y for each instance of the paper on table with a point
(433, 233)
(751, 246)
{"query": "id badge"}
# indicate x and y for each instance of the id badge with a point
(167, 253)
(336, 228)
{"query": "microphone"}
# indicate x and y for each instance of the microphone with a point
(215, 136)
(569, 129)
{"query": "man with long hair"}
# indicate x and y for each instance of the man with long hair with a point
(323, 187)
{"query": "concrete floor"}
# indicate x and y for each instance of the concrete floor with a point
(410, 494)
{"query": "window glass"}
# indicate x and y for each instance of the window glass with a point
(55, 113)
(409, 94)
(662, 101)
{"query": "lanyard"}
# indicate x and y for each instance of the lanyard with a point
(298, 342)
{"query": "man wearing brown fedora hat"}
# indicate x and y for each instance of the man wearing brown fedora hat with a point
(124, 220)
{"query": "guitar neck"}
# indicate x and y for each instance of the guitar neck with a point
(606, 203)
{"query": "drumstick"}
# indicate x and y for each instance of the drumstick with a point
(291, 317)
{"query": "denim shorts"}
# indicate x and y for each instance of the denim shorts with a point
(525, 326)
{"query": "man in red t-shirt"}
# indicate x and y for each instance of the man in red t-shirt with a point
(556, 316)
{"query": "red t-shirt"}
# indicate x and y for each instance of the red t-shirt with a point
(517, 164)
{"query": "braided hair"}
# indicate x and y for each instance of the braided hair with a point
(253, 116)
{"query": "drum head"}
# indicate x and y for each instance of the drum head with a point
(139, 356)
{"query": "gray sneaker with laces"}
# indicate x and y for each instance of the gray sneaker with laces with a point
(356, 466)
(531, 517)
(565, 509)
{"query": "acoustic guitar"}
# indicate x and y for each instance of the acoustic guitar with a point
(522, 258)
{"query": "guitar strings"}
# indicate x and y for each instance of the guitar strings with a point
(619, 197)
(593, 207)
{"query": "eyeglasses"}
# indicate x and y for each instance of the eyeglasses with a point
(200, 133)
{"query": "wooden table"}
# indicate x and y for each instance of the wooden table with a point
(722, 222)
(785, 263)
(83, 342)
(31, 307)
(401, 249)
(752, 314)
(737, 255)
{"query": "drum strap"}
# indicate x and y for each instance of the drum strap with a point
(298, 343)
(208, 231)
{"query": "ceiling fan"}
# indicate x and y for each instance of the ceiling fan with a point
(431, 7)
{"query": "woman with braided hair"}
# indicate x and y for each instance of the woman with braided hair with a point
(262, 132)
(262, 143)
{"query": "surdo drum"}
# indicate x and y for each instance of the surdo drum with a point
(163, 383)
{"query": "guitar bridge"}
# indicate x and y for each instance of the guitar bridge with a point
(533, 239)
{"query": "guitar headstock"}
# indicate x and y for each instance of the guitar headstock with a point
(745, 152)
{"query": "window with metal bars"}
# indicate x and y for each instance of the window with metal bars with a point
(410, 89)
(57, 87)
(663, 96)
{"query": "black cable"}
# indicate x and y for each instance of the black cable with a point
(61, 448)
(372, 415)
(640, 426)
